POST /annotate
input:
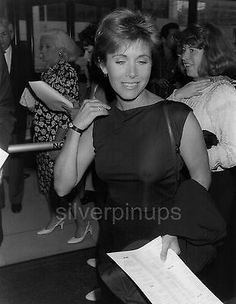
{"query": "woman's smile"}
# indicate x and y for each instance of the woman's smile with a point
(130, 85)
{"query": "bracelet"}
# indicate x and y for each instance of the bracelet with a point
(76, 129)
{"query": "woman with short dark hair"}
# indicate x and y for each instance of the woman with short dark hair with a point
(129, 141)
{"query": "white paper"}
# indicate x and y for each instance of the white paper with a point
(168, 282)
(3, 157)
(52, 98)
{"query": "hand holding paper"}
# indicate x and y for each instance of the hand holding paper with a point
(168, 282)
(52, 98)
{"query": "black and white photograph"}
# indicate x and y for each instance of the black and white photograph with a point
(118, 151)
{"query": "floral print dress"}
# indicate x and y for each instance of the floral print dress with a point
(63, 78)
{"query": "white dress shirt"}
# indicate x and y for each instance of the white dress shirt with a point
(8, 55)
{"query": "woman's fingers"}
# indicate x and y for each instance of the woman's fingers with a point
(164, 250)
(95, 102)
(193, 88)
(197, 87)
(169, 241)
(90, 109)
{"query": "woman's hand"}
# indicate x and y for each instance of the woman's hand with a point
(90, 109)
(193, 88)
(169, 241)
(72, 112)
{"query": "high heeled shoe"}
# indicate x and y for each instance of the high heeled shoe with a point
(92, 262)
(94, 295)
(75, 240)
(59, 223)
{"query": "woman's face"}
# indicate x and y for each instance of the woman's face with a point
(48, 51)
(192, 58)
(129, 69)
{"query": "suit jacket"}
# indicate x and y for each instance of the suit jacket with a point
(20, 74)
(7, 119)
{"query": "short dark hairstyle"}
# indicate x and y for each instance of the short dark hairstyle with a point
(219, 56)
(123, 26)
(166, 29)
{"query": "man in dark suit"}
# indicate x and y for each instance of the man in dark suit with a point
(19, 74)
(7, 120)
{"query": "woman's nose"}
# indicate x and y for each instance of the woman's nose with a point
(185, 55)
(132, 70)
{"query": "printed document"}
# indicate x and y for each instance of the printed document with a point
(163, 282)
(52, 98)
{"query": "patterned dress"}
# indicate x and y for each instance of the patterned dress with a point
(63, 78)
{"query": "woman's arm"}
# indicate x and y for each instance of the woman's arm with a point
(194, 153)
(72, 162)
(78, 151)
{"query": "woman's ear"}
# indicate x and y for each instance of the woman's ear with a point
(62, 52)
(11, 31)
(103, 68)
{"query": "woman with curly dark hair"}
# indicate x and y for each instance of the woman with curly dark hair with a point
(209, 59)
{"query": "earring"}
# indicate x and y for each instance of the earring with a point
(60, 54)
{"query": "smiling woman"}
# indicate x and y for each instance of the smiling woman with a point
(208, 57)
(192, 58)
(129, 71)
(129, 142)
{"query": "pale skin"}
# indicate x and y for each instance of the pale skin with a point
(128, 71)
(192, 58)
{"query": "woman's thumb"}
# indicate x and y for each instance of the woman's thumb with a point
(164, 250)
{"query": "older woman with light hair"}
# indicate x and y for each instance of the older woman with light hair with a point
(57, 50)
(65, 46)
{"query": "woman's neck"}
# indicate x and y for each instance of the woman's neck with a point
(144, 99)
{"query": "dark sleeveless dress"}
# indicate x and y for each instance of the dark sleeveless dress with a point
(135, 160)
(134, 157)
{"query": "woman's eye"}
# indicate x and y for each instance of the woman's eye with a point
(142, 62)
(120, 61)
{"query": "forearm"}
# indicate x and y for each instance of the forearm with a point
(78, 151)
(65, 170)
